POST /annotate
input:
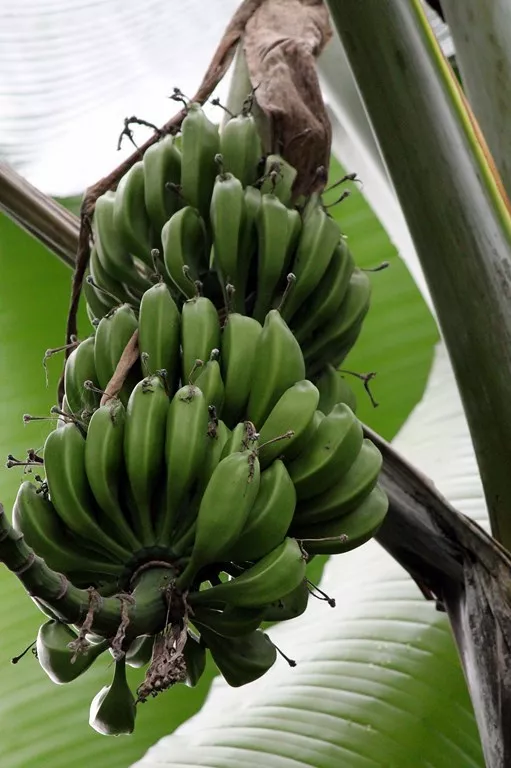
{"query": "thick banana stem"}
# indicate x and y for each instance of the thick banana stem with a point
(147, 611)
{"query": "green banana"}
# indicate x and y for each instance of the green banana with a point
(104, 464)
(226, 214)
(140, 651)
(237, 440)
(269, 518)
(273, 238)
(231, 622)
(293, 412)
(195, 659)
(70, 493)
(185, 451)
(104, 280)
(80, 367)
(318, 240)
(200, 333)
(241, 660)
(55, 656)
(331, 452)
(100, 303)
(36, 518)
(144, 449)
(240, 147)
(303, 441)
(200, 143)
(270, 579)
(278, 178)
(112, 335)
(247, 247)
(113, 711)
(239, 340)
(345, 533)
(347, 493)
(162, 167)
(217, 436)
(290, 606)
(184, 241)
(159, 324)
(210, 382)
(278, 364)
(333, 388)
(326, 300)
(234, 485)
(130, 215)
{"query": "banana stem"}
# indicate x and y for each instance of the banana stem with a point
(147, 612)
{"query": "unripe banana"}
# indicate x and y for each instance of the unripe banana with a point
(303, 441)
(130, 215)
(278, 364)
(70, 493)
(184, 241)
(349, 531)
(113, 711)
(293, 412)
(326, 300)
(330, 453)
(247, 246)
(318, 239)
(269, 518)
(100, 303)
(55, 656)
(104, 464)
(333, 388)
(200, 143)
(231, 622)
(103, 279)
(270, 579)
(290, 606)
(159, 323)
(279, 178)
(239, 340)
(144, 449)
(237, 440)
(241, 149)
(195, 659)
(200, 333)
(185, 450)
(233, 486)
(347, 493)
(227, 213)
(273, 238)
(210, 382)
(80, 367)
(140, 651)
(36, 518)
(162, 167)
(112, 335)
(241, 660)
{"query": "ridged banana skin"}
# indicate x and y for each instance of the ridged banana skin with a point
(217, 437)
(346, 494)
(140, 651)
(318, 239)
(326, 300)
(281, 183)
(290, 606)
(37, 519)
(329, 455)
(333, 388)
(269, 518)
(278, 364)
(184, 241)
(247, 247)
(294, 411)
(54, 654)
(273, 238)
(115, 258)
(272, 577)
(104, 465)
(210, 382)
(225, 506)
(227, 212)
(159, 333)
(200, 143)
(144, 449)
(130, 215)
(351, 313)
(236, 440)
(70, 493)
(112, 335)
(240, 147)
(241, 660)
(300, 445)
(102, 278)
(239, 340)
(200, 333)
(80, 367)
(185, 451)
(162, 166)
(349, 531)
(231, 622)
(334, 353)
(100, 303)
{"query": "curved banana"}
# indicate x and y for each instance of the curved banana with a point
(227, 212)
(113, 711)
(333, 388)
(200, 333)
(247, 247)
(290, 606)
(278, 178)
(130, 215)
(303, 441)
(195, 659)
(230, 622)
(103, 278)
(112, 335)
(162, 168)
(140, 651)
(241, 660)
(210, 382)
(240, 147)
(159, 326)
(240, 335)
(80, 367)
(273, 238)
(200, 143)
(55, 656)
(184, 241)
